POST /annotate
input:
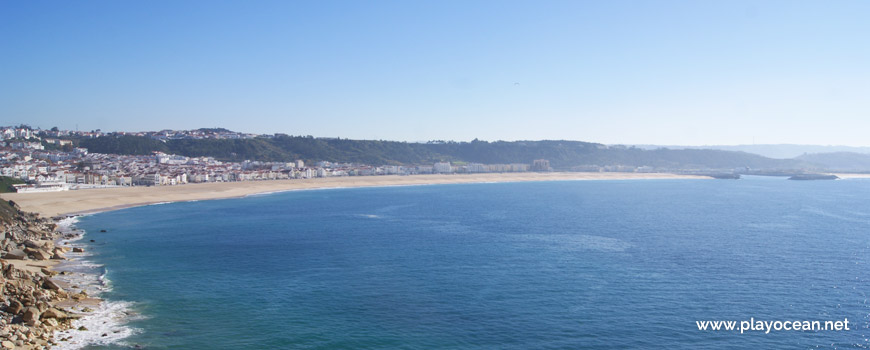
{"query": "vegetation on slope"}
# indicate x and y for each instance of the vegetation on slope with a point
(7, 182)
(123, 144)
(7, 212)
(561, 154)
(838, 161)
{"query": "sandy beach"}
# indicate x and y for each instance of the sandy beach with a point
(847, 176)
(49, 204)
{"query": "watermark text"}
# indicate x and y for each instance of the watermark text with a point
(753, 325)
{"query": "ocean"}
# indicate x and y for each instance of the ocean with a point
(631, 264)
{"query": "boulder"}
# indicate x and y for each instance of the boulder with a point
(14, 307)
(78, 250)
(58, 255)
(50, 284)
(51, 322)
(7, 344)
(30, 315)
(15, 254)
(31, 244)
(41, 255)
(53, 313)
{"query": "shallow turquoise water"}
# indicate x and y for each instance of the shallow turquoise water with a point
(547, 265)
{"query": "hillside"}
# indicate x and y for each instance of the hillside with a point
(776, 151)
(7, 182)
(838, 161)
(561, 154)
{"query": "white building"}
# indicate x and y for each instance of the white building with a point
(443, 168)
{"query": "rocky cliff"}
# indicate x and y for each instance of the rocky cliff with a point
(28, 312)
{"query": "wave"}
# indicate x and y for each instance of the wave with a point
(105, 325)
(579, 242)
(368, 216)
(102, 323)
(821, 212)
(67, 224)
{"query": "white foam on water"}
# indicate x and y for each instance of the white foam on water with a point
(67, 224)
(821, 212)
(91, 278)
(580, 242)
(263, 193)
(105, 323)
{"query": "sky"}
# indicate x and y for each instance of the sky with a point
(629, 72)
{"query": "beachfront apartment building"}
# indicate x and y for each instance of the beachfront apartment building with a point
(442, 168)
(541, 165)
(476, 168)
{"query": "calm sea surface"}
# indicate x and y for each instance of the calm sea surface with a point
(545, 265)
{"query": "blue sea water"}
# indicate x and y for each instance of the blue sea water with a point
(536, 265)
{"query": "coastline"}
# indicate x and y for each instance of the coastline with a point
(51, 204)
(33, 291)
(100, 321)
(850, 176)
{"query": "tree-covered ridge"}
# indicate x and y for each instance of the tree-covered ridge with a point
(7, 182)
(123, 144)
(838, 161)
(561, 154)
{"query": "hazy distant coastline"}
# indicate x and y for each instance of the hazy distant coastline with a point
(775, 151)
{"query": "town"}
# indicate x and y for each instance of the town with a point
(47, 160)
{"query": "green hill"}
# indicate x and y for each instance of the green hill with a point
(561, 154)
(7, 182)
(838, 161)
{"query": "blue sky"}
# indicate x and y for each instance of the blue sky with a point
(657, 72)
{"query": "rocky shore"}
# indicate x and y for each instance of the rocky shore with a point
(31, 311)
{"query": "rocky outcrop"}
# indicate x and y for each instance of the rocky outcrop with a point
(814, 177)
(14, 254)
(50, 284)
(28, 315)
(37, 254)
(54, 313)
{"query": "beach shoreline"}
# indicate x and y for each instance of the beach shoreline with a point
(101, 321)
(79, 202)
(104, 321)
(850, 176)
